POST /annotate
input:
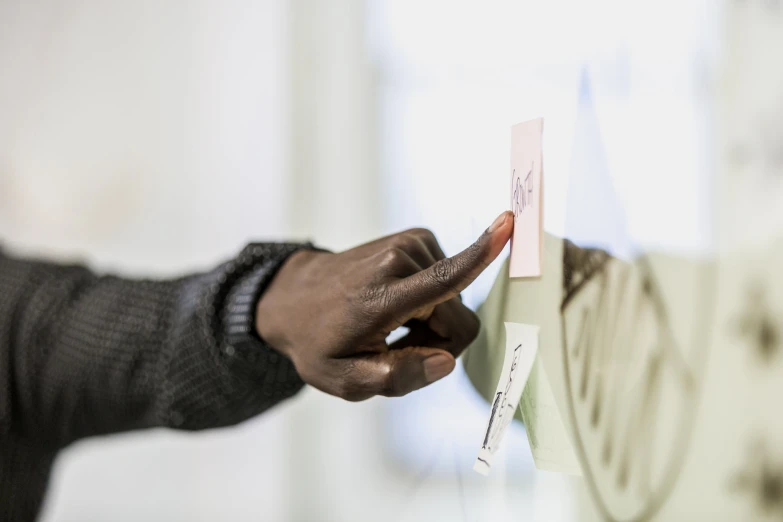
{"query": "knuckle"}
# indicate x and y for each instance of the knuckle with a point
(368, 295)
(443, 273)
(405, 241)
(423, 234)
(443, 276)
(391, 385)
(383, 381)
(392, 257)
(374, 305)
(372, 296)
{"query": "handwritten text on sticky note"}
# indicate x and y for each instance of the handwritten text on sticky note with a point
(527, 175)
(521, 349)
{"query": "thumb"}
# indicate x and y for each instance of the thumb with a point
(392, 373)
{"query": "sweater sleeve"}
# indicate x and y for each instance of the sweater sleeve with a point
(84, 355)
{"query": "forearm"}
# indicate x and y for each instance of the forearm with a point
(85, 355)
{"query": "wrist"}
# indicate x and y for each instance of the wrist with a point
(271, 315)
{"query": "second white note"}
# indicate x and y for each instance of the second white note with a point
(521, 349)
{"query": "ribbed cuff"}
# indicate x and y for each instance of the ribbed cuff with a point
(256, 269)
(226, 373)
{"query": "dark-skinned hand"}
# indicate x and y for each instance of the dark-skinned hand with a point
(331, 313)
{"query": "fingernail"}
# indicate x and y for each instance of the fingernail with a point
(498, 222)
(437, 367)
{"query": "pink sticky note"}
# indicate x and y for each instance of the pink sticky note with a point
(527, 176)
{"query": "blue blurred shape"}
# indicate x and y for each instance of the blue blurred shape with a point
(595, 216)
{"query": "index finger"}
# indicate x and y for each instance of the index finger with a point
(448, 277)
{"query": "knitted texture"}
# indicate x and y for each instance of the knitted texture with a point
(84, 355)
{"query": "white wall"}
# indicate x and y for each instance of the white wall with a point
(145, 135)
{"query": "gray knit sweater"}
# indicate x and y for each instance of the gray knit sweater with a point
(83, 355)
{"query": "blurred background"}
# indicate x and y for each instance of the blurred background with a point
(153, 138)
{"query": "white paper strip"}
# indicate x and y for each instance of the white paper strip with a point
(521, 349)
